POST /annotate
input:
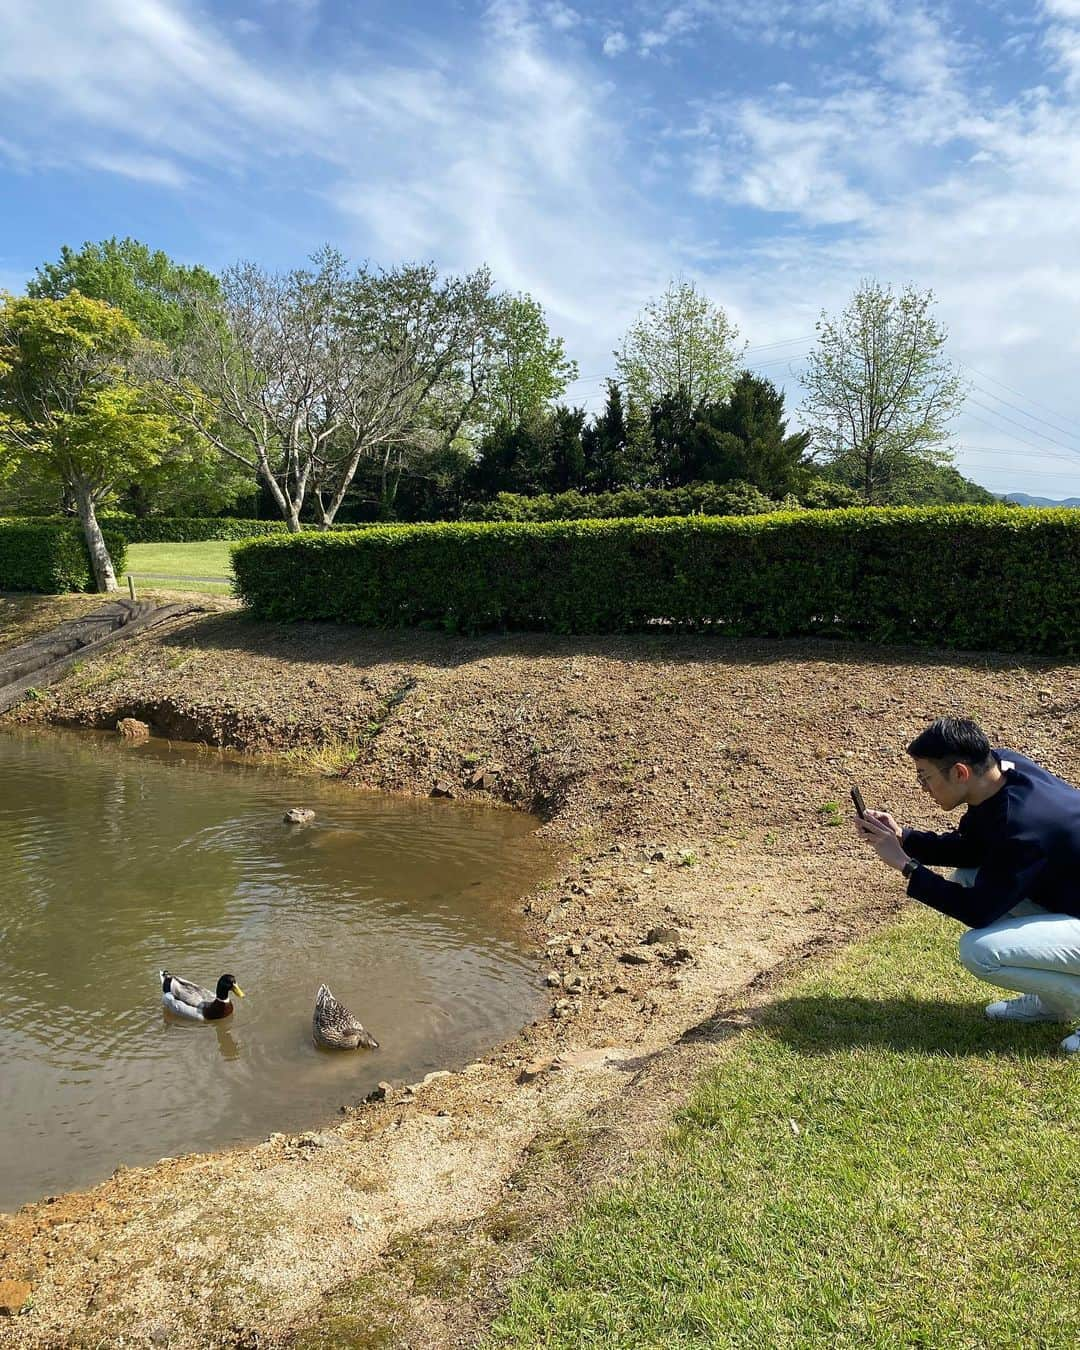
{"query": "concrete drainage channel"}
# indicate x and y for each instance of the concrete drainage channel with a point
(44, 659)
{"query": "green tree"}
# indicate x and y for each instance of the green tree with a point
(641, 462)
(881, 392)
(196, 483)
(604, 445)
(154, 292)
(529, 369)
(542, 453)
(72, 408)
(146, 284)
(922, 484)
(682, 452)
(567, 452)
(753, 440)
(618, 446)
(679, 341)
(512, 459)
(313, 371)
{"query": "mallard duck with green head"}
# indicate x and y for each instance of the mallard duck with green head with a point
(335, 1028)
(195, 1003)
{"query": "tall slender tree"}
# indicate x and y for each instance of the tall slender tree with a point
(679, 341)
(604, 444)
(880, 390)
(528, 366)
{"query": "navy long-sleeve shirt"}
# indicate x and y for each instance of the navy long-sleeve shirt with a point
(1025, 841)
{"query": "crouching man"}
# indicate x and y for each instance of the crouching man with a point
(1017, 851)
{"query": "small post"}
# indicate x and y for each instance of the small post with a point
(131, 586)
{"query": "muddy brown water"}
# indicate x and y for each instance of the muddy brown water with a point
(118, 859)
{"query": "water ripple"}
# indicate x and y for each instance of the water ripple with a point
(118, 863)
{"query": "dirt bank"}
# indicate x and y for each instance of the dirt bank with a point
(689, 782)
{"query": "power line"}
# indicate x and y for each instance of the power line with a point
(787, 342)
(1013, 422)
(1042, 449)
(780, 361)
(1023, 412)
(1002, 450)
(996, 380)
(760, 347)
(1022, 469)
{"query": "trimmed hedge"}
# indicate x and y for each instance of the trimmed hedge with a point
(51, 559)
(966, 576)
(708, 499)
(174, 529)
(736, 498)
(196, 530)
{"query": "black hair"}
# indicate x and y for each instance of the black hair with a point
(953, 740)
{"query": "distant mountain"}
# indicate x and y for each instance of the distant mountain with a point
(1022, 499)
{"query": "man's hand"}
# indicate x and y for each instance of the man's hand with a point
(883, 818)
(882, 833)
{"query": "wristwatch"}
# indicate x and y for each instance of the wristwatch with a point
(908, 868)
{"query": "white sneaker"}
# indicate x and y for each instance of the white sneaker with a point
(1026, 1008)
(1071, 1044)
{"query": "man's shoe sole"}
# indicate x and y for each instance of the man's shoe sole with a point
(1031, 1020)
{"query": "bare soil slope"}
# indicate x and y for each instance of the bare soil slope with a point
(693, 784)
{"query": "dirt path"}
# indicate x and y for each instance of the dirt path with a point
(689, 781)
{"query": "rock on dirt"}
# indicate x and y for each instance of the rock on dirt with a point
(13, 1296)
(664, 934)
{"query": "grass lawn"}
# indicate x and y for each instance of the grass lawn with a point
(874, 1165)
(186, 563)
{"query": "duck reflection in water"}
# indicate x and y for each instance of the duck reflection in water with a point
(228, 1046)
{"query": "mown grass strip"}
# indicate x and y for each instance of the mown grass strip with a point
(874, 1165)
(209, 559)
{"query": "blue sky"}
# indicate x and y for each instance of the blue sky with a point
(773, 151)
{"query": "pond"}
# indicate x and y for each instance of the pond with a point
(121, 859)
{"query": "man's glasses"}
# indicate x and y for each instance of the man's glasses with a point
(924, 778)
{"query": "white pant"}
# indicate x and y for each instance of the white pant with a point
(1030, 950)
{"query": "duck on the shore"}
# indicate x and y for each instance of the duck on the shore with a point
(195, 1003)
(335, 1028)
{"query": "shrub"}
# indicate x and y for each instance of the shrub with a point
(196, 530)
(976, 577)
(709, 499)
(174, 529)
(51, 558)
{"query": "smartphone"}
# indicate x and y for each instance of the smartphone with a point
(860, 805)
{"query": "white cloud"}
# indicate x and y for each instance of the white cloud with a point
(676, 22)
(519, 174)
(561, 16)
(502, 152)
(883, 154)
(916, 54)
(148, 72)
(143, 168)
(1064, 43)
(914, 172)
